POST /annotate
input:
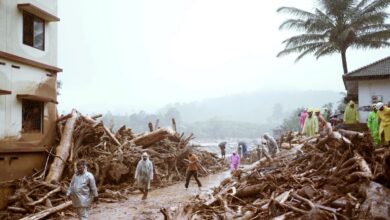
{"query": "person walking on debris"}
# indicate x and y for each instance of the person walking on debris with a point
(384, 124)
(244, 149)
(192, 170)
(144, 174)
(82, 190)
(234, 162)
(273, 147)
(351, 115)
(222, 147)
(373, 125)
(310, 128)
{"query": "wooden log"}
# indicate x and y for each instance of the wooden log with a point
(45, 197)
(363, 166)
(64, 117)
(282, 198)
(62, 150)
(108, 132)
(174, 125)
(351, 134)
(16, 209)
(167, 215)
(97, 116)
(150, 138)
(250, 190)
(42, 214)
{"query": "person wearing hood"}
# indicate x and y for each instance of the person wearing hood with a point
(272, 145)
(82, 190)
(234, 162)
(373, 125)
(310, 128)
(302, 118)
(144, 174)
(384, 124)
(317, 112)
(351, 115)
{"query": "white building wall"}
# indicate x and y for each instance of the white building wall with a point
(369, 88)
(11, 31)
(3, 24)
(26, 80)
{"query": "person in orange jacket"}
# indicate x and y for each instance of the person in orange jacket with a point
(192, 170)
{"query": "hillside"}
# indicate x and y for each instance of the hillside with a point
(258, 107)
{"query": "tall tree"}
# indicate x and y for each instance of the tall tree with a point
(335, 26)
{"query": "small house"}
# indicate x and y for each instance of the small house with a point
(368, 85)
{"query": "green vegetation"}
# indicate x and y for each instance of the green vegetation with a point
(335, 26)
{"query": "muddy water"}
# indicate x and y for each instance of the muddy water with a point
(172, 196)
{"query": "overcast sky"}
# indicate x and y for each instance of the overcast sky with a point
(124, 55)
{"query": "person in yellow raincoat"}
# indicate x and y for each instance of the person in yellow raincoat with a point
(384, 125)
(351, 115)
(310, 127)
(373, 125)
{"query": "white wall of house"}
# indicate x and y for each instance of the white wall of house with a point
(369, 88)
(11, 31)
(25, 80)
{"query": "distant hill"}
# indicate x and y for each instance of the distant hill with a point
(258, 107)
(236, 116)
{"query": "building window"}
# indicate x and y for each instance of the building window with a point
(32, 116)
(33, 31)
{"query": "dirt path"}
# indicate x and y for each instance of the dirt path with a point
(136, 209)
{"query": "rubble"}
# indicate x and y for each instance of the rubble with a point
(112, 158)
(340, 176)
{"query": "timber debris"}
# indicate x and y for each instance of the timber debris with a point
(112, 158)
(340, 176)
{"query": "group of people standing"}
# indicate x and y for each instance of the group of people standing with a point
(267, 142)
(378, 121)
(312, 122)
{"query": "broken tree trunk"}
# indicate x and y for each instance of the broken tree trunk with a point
(174, 124)
(47, 212)
(108, 132)
(62, 150)
(151, 137)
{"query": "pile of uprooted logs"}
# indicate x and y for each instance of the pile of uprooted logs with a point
(341, 176)
(112, 159)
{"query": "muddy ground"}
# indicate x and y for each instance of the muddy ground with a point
(136, 209)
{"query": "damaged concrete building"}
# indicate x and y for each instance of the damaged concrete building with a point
(28, 85)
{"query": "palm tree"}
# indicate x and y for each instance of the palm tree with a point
(335, 26)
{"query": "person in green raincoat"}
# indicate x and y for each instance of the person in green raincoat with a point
(310, 128)
(373, 125)
(384, 123)
(351, 115)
